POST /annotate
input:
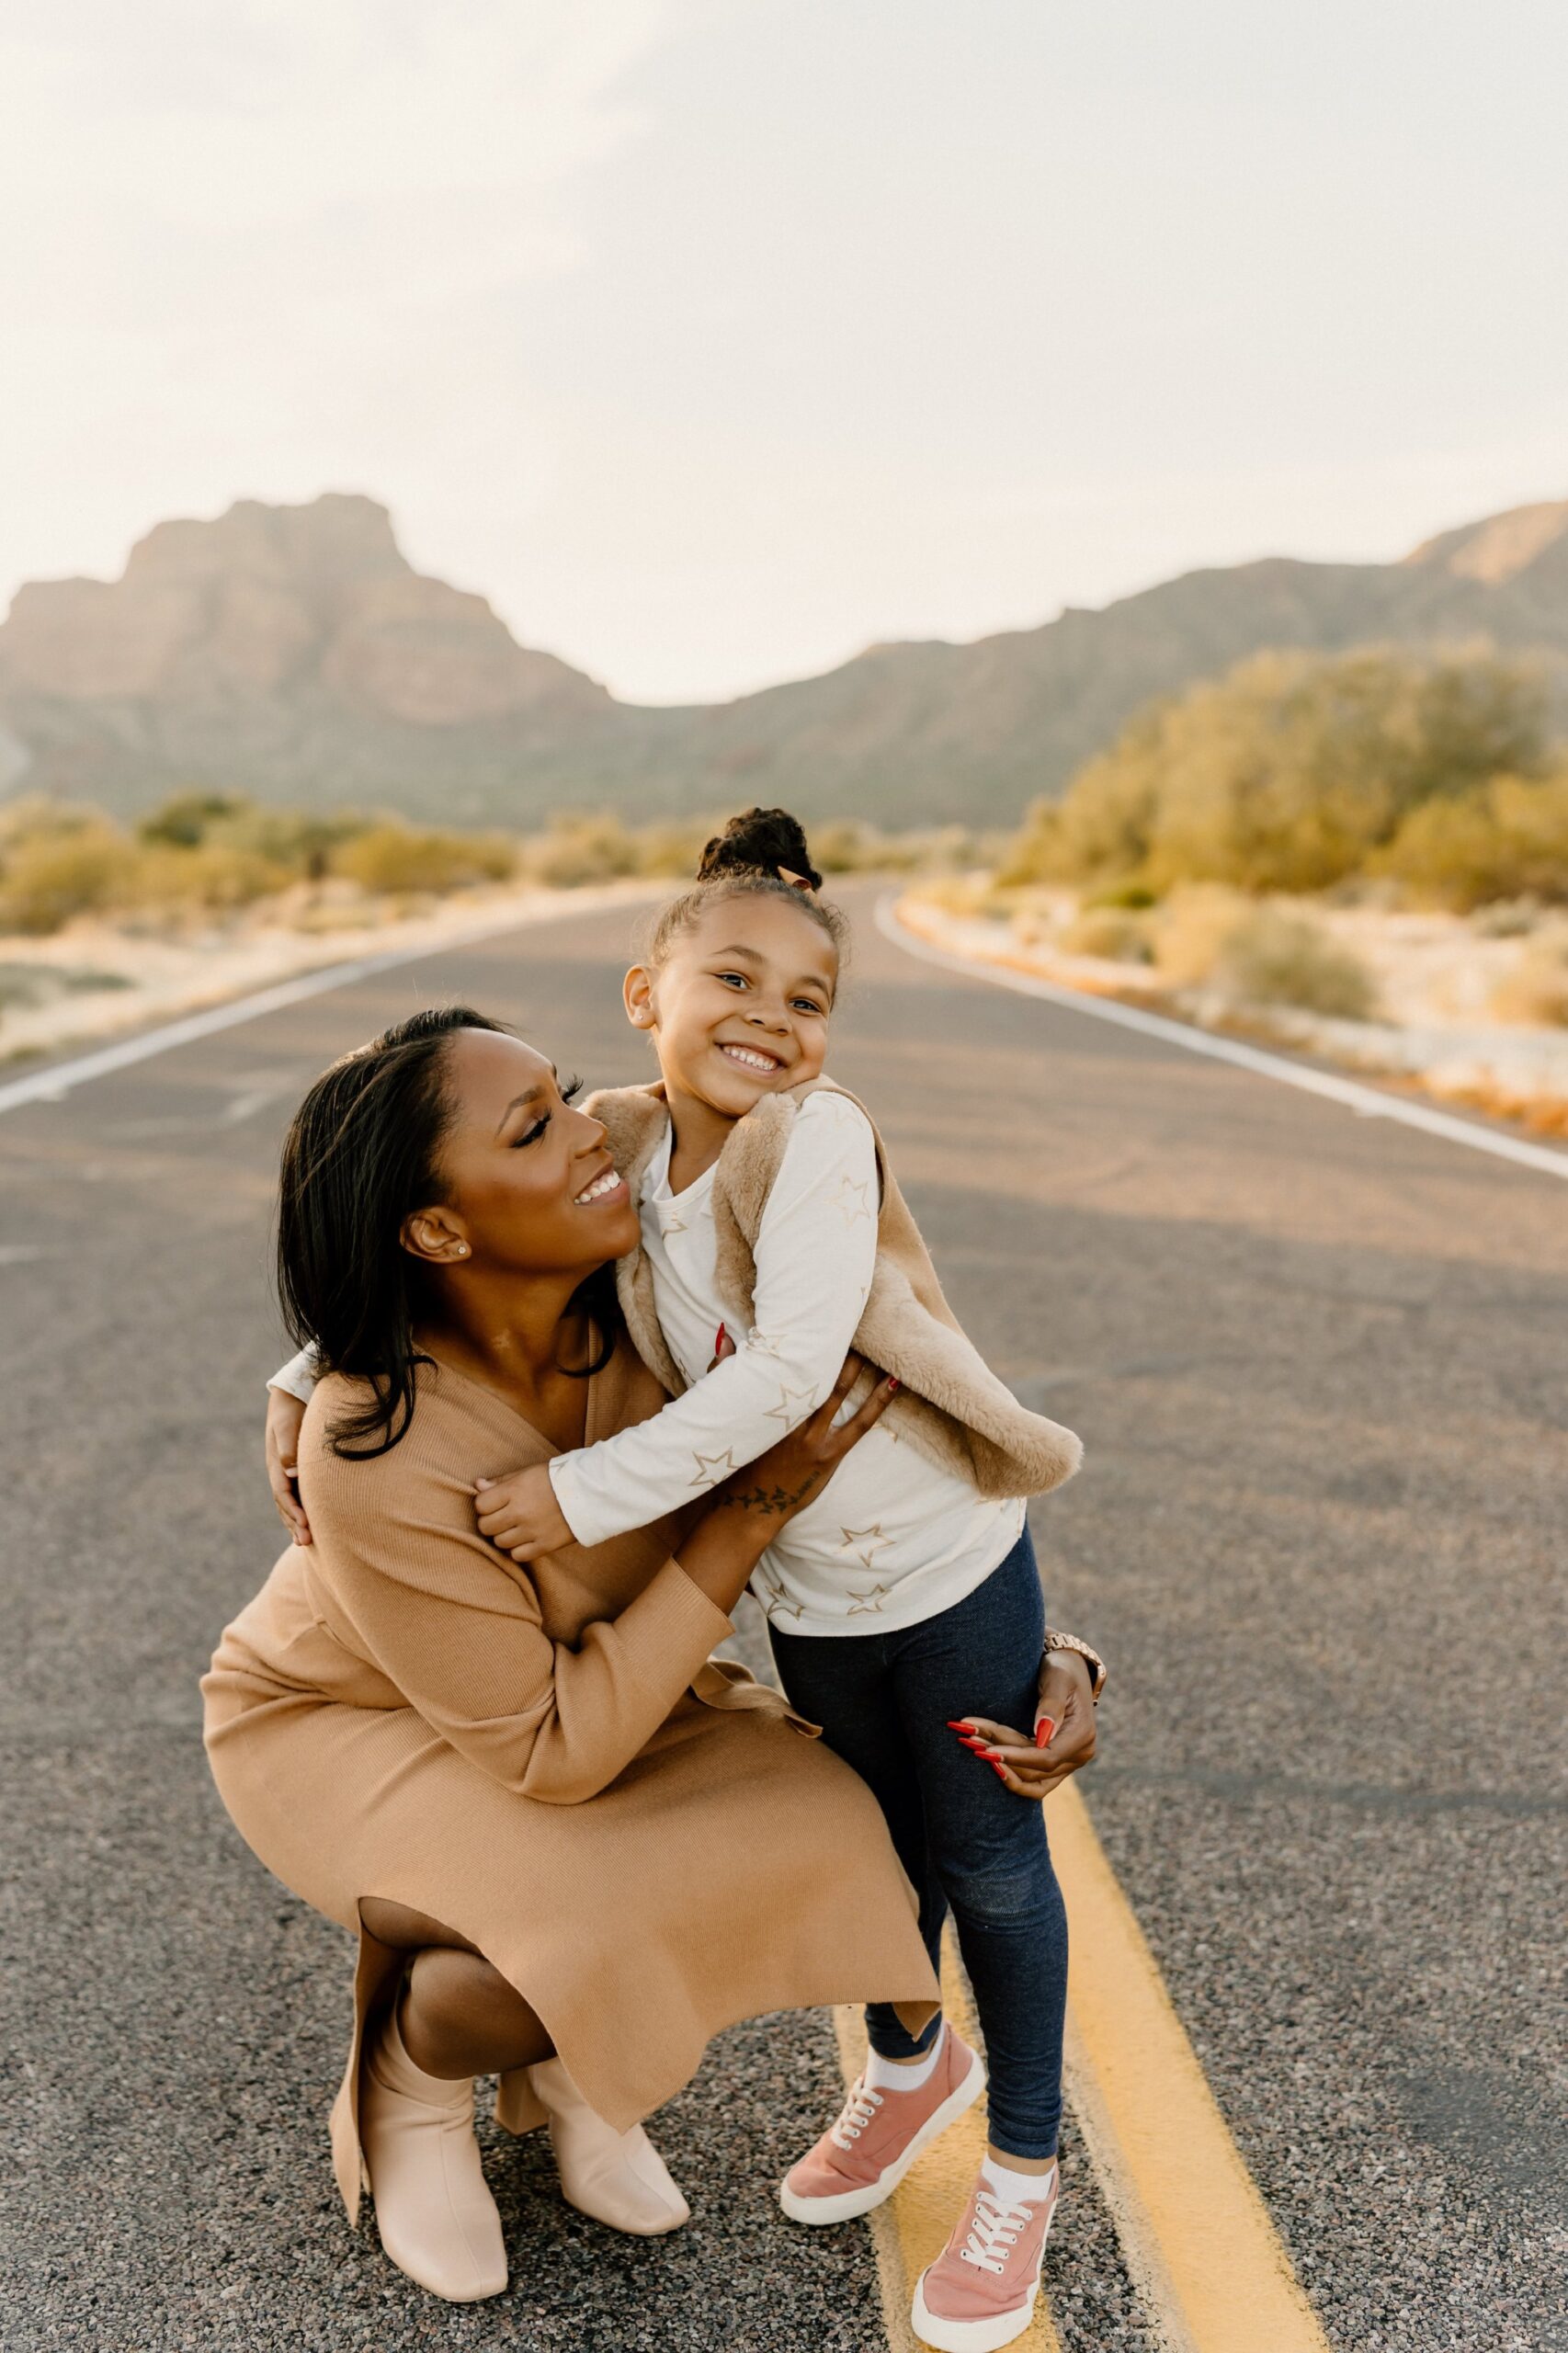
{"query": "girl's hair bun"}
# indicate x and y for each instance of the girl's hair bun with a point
(759, 841)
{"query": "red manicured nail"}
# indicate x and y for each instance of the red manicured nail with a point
(1000, 1772)
(959, 1727)
(717, 1339)
(894, 1385)
(1044, 1732)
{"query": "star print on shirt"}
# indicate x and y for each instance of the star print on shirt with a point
(865, 1543)
(793, 1406)
(866, 1602)
(850, 1198)
(711, 1468)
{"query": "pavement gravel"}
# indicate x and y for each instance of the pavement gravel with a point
(1318, 1363)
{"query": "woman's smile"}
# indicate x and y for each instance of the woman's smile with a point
(610, 1184)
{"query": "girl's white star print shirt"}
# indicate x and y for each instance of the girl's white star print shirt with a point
(893, 1539)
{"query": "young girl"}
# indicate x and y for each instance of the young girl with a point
(903, 1604)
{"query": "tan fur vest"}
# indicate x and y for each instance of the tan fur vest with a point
(951, 1407)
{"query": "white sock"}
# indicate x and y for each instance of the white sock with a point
(1010, 2189)
(892, 2075)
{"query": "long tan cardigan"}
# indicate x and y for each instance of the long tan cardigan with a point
(547, 1760)
(952, 1406)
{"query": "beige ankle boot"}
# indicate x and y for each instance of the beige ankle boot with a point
(618, 2177)
(436, 2218)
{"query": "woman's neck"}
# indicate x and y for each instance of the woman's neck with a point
(519, 1335)
(698, 1135)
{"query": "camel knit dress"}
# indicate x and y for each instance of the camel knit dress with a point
(646, 1844)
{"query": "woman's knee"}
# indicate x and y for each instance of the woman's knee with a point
(405, 1930)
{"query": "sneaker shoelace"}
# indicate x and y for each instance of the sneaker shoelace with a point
(857, 2113)
(993, 2232)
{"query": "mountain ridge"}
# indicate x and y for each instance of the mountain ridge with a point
(294, 652)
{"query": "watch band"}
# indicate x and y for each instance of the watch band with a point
(1091, 1658)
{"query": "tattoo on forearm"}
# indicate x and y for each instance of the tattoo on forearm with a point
(768, 1501)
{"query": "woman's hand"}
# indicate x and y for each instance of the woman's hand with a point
(1065, 1698)
(284, 1416)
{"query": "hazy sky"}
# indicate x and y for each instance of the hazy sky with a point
(713, 339)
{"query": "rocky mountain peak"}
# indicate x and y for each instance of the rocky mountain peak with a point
(1500, 547)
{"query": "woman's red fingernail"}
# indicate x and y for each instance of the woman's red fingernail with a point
(1044, 1732)
(954, 1726)
(895, 1384)
(717, 1339)
(1000, 1772)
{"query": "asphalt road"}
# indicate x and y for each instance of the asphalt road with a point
(1319, 1366)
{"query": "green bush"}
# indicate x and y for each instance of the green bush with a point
(48, 876)
(212, 875)
(1287, 774)
(1504, 839)
(398, 859)
(579, 850)
(187, 818)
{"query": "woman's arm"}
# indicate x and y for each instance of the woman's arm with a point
(816, 1255)
(460, 1634)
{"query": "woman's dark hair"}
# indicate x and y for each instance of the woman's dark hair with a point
(363, 1153)
(749, 860)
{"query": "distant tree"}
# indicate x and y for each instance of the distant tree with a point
(1290, 771)
(1505, 839)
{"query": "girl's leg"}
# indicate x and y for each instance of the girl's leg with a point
(989, 1848)
(846, 1683)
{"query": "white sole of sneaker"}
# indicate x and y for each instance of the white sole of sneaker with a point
(852, 2202)
(969, 2335)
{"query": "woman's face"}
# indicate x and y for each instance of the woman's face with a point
(529, 1187)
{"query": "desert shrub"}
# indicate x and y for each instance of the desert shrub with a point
(215, 876)
(1276, 959)
(670, 850)
(1506, 838)
(579, 850)
(49, 874)
(1537, 989)
(1190, 928)
(1288, 773)
(187, 818)
(397, 859)
(1113, 933)
(1508, 918)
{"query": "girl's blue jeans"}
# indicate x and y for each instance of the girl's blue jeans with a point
(967, 1843)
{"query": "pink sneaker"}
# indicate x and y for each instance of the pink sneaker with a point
(979, 2293)
(863, 2158)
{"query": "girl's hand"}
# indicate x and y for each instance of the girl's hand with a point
(521, 1514)
(1027, 1771)
(791, 1474)
(284, 1416)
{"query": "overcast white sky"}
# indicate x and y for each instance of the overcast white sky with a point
(713, 339)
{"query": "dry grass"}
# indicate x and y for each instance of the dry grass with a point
(1535, 991)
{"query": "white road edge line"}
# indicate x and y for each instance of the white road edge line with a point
(1366, 1101)
(51, 1085)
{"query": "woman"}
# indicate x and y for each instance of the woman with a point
(572, 1847)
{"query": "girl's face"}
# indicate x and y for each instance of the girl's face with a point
(740, 1007)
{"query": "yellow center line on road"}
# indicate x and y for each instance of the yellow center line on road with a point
(1195, 2234)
